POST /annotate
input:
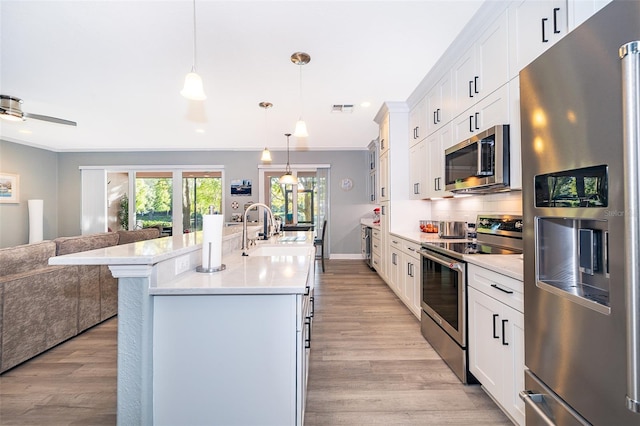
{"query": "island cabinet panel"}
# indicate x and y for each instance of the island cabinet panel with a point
(231, 359)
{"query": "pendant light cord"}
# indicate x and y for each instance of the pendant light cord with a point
(193, 68)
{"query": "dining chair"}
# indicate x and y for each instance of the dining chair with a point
(319, 242)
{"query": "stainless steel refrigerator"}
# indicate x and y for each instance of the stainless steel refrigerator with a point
(581, 187)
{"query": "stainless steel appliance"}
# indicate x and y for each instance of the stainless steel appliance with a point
(479, 164)
(444, 286)
(580, 134)
(366, 246)
(452, 229)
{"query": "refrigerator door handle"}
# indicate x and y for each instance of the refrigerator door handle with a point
(630, 58)
(533, 400)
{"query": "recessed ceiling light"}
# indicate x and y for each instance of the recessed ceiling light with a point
(365, 104)
(199, 130)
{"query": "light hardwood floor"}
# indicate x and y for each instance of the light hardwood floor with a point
(369, 365)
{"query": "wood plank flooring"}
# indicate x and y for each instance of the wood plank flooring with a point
(369, 365)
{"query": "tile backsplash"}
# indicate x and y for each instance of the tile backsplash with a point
(467, 208)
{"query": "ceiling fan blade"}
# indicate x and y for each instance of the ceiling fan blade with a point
(50, 119)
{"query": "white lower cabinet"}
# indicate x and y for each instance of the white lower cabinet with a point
(496, 337)
(405, 272)
(231, 359)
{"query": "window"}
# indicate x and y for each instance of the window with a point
(133, 197)
(154, 201)
(200, 190)
(303, 204)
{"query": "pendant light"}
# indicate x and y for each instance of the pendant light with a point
(300, 59)
(288, 178)
(193, 82)
(266, 155)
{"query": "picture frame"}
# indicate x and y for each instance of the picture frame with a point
(241, 187)
(9, 188)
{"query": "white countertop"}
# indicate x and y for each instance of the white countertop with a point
(245, 275)
(276, 274)
(148, 252)
(510, 265)
(506, 264)
(368, 221)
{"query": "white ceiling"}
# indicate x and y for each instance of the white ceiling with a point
(117, 67)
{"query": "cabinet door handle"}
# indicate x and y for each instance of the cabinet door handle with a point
(438, 114)
(435, 117)
(471, 124)
(307, 341)
(497, 287)
(470, 91)
(416, 188)
(435, 184)
(383, 211)
(382, 191)
(417, 132)
(477, 115)
(544, 37)
(555, 20)
(504, 325)
(475, 83)
(495, 336)
(412, 269)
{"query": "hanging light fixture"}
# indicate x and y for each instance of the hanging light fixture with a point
(266, 155)
(300, 59)
(288, 178)
(193, 82)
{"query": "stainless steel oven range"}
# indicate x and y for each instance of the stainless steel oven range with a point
(444, 286)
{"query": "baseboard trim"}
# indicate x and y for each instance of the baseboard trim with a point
(342, 256)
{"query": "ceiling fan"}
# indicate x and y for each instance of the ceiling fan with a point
(11, 109)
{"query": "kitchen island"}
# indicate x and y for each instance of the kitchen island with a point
(228, 347)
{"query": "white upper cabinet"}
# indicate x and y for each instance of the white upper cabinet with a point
(384, 135)
(538, 25)
(439, 104)
(418, 173)
(437, 144)
(484, 66)
(490, 111)
(418, 122)
(581, 10)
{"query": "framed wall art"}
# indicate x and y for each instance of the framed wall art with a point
(241, 187)
(9, 188)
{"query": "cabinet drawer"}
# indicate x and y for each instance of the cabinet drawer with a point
(411, 248)
(375, 233)
(375, 246)
(501, 287)
(395, 242)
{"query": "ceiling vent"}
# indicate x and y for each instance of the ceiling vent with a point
(345, 108)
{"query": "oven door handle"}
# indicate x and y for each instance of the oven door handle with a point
(442, 260)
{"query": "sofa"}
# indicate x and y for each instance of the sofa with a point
(42, 305)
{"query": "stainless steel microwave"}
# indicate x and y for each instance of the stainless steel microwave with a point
(479, 164)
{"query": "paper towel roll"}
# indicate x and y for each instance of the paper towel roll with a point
(212, 240)
(36, 219)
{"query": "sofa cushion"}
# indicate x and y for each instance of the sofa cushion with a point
(67, 245)
(127, 237)
(27, 257)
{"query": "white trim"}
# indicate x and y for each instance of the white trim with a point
(157, 167)
(346, 256)
(299, 167)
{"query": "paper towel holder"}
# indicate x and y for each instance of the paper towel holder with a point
(210, 270)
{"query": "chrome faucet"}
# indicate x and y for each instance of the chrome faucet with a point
(270, 227)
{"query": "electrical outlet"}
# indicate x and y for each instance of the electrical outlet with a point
(182, 264)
